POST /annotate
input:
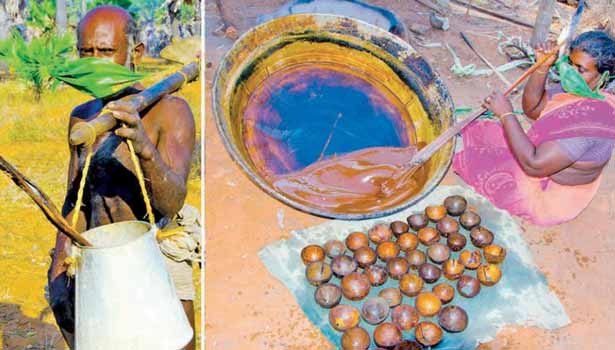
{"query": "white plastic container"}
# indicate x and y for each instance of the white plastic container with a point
(125, 298)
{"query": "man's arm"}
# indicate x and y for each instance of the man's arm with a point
(165, 165)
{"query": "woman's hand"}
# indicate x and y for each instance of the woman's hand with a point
(498, 103)
(132, 128)
(544, 49)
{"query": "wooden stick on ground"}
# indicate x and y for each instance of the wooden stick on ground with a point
(439, 10)
(40, 198)
(484, 59)
(497, 14)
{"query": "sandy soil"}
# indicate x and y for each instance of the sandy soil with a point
(33, 138)
(248, 309)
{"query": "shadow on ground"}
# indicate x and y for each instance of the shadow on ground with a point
(21, 332)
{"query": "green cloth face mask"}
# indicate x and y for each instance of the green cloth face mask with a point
(573, 83)
(94, 76)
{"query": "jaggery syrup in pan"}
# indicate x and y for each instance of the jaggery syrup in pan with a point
(328, 139)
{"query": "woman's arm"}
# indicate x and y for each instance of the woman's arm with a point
(545, 160)
(534, 95)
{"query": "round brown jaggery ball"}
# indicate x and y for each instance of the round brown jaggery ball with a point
(399, 227)
(357, 240)
(468, 286)
(376, 274)
(435, 213)
(429, 272)
(343, 317)
(343, 265)
(405, 317)
(415, 258)
(355, 286)
(334, 248)
(375, 310)
(453, 269)
(445, 292)
(391, 295)
(470, 259)
(407, 241)
(469, 219)
(411, 284)
(455, 205)
(453, 319)
(365, 256)
(387, 250)
(428, 333)
(397, 267)
(312, 253)
(355, 338)
(447, 225)
(481, 237)
(318, 273)
(438, 253)
(489, 274)
(428, 304)
(380, 233)
(494, 254)
(417, 221)
(428, 236)
(328, 295)
(407, 345)
(456, 241)
(387, 335)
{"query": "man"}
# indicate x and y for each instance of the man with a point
(163, 136)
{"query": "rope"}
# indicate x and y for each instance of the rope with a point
(185, 76)
(72, 261)
(84, 174)
(141, 179)
(470, 70)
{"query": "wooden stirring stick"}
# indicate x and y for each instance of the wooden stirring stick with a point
(391, 185)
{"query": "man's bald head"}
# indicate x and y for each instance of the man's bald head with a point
(108, 32)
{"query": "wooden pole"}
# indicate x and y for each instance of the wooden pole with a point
(81, 132)
(495, 14)
(544, 17)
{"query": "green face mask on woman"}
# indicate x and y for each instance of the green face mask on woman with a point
(573, 83)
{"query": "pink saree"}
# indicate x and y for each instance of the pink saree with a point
(487, 164)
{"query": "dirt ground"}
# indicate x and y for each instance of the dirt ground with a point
(247, 308)
(33, 138)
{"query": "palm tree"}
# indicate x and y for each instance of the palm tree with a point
(61, 17)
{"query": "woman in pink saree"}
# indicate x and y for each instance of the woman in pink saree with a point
(549, 175)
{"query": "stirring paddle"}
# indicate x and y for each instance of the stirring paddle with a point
(391, 185)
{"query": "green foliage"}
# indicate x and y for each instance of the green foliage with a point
(96, 77)
(34, 62)
(121, 3)
(145, 10)
(187, 13)
(42, 15)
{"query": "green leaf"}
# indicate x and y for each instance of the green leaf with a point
(97, 77)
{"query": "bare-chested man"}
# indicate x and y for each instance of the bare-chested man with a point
(163, 137)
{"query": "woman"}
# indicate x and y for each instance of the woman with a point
(549, 175)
